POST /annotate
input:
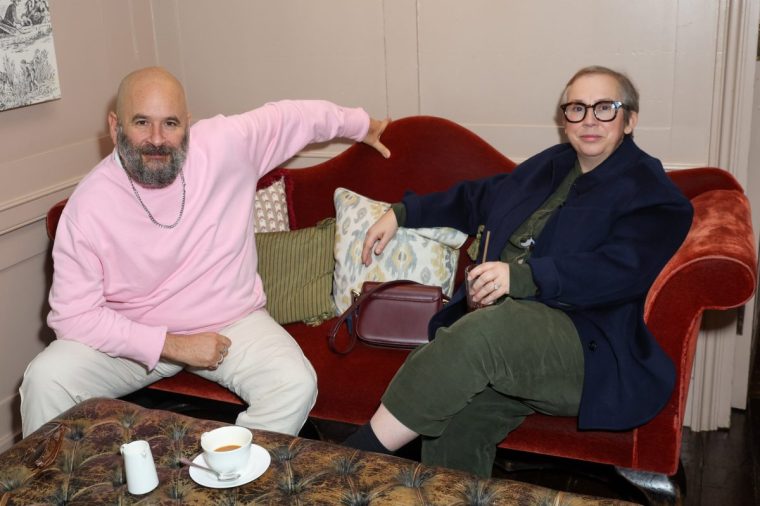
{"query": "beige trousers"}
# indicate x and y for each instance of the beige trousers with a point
(265, 367)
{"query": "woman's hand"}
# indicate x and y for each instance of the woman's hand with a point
(488, 282)
(376, 129)
(378, 236)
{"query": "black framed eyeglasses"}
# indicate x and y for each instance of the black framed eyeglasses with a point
(604, 110)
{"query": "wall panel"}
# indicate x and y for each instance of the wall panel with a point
(24, 278)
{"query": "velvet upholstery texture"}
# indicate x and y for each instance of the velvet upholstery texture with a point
(75, 460)
(716, 268)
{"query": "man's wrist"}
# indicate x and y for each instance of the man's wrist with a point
(171, 346)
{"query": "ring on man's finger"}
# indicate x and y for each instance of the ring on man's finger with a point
(495, 286)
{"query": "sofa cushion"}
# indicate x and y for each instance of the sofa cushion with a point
(425, 255)
(296, 269)
(271, 209)
(350, 386)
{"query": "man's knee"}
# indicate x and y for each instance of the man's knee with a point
(44, 375)
(302, 383)
(61, 375)
(45, 390)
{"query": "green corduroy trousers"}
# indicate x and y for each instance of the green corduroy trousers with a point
(479, 378)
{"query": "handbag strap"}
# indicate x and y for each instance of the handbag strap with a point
(353, 308)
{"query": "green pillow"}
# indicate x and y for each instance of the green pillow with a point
(296, 268)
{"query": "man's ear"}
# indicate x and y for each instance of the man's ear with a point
(113, 125)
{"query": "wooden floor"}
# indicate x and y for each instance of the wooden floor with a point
(721, 465)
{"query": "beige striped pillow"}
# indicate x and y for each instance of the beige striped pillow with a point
(296, 268)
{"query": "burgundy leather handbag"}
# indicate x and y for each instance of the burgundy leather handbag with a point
(392, 314)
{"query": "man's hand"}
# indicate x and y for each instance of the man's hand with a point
(378, 236)
(376, 129)
(206, 349)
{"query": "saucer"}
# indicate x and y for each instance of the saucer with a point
(257, 464)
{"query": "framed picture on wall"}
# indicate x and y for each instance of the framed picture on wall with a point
(28, 69)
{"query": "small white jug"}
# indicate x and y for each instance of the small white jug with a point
(139, 466)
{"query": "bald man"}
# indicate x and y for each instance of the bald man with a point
(155, 259)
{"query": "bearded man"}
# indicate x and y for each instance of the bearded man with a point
(155, 259)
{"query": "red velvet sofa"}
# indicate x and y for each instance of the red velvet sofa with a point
(716, 268)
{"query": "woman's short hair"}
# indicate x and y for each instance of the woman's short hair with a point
(629, 93)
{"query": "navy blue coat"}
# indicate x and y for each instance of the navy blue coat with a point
(595, 259)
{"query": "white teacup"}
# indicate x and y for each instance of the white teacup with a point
(227, 449)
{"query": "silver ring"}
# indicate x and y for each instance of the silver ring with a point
(495, 286)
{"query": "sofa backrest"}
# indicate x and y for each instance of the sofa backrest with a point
(427, 154)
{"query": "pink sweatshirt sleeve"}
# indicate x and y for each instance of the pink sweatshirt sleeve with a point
(78, 310)
(279, 130)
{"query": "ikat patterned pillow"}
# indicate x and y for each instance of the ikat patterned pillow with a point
(425, 255)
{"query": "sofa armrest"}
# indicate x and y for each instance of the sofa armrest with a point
(715, 268)
(719, 246)
(696, 181)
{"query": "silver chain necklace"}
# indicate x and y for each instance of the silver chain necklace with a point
(150, 215)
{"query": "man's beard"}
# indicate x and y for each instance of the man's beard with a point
(159, 176)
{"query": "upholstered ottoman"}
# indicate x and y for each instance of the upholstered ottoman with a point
(75, 459)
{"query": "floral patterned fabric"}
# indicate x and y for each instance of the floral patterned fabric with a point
(425, 255)
(75, 460)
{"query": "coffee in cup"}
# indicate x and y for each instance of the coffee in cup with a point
(227, 449)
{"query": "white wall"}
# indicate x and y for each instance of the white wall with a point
(496, 66)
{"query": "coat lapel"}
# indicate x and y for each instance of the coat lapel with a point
(541, 179)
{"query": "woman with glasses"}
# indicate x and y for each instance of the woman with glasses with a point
(578, 233)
